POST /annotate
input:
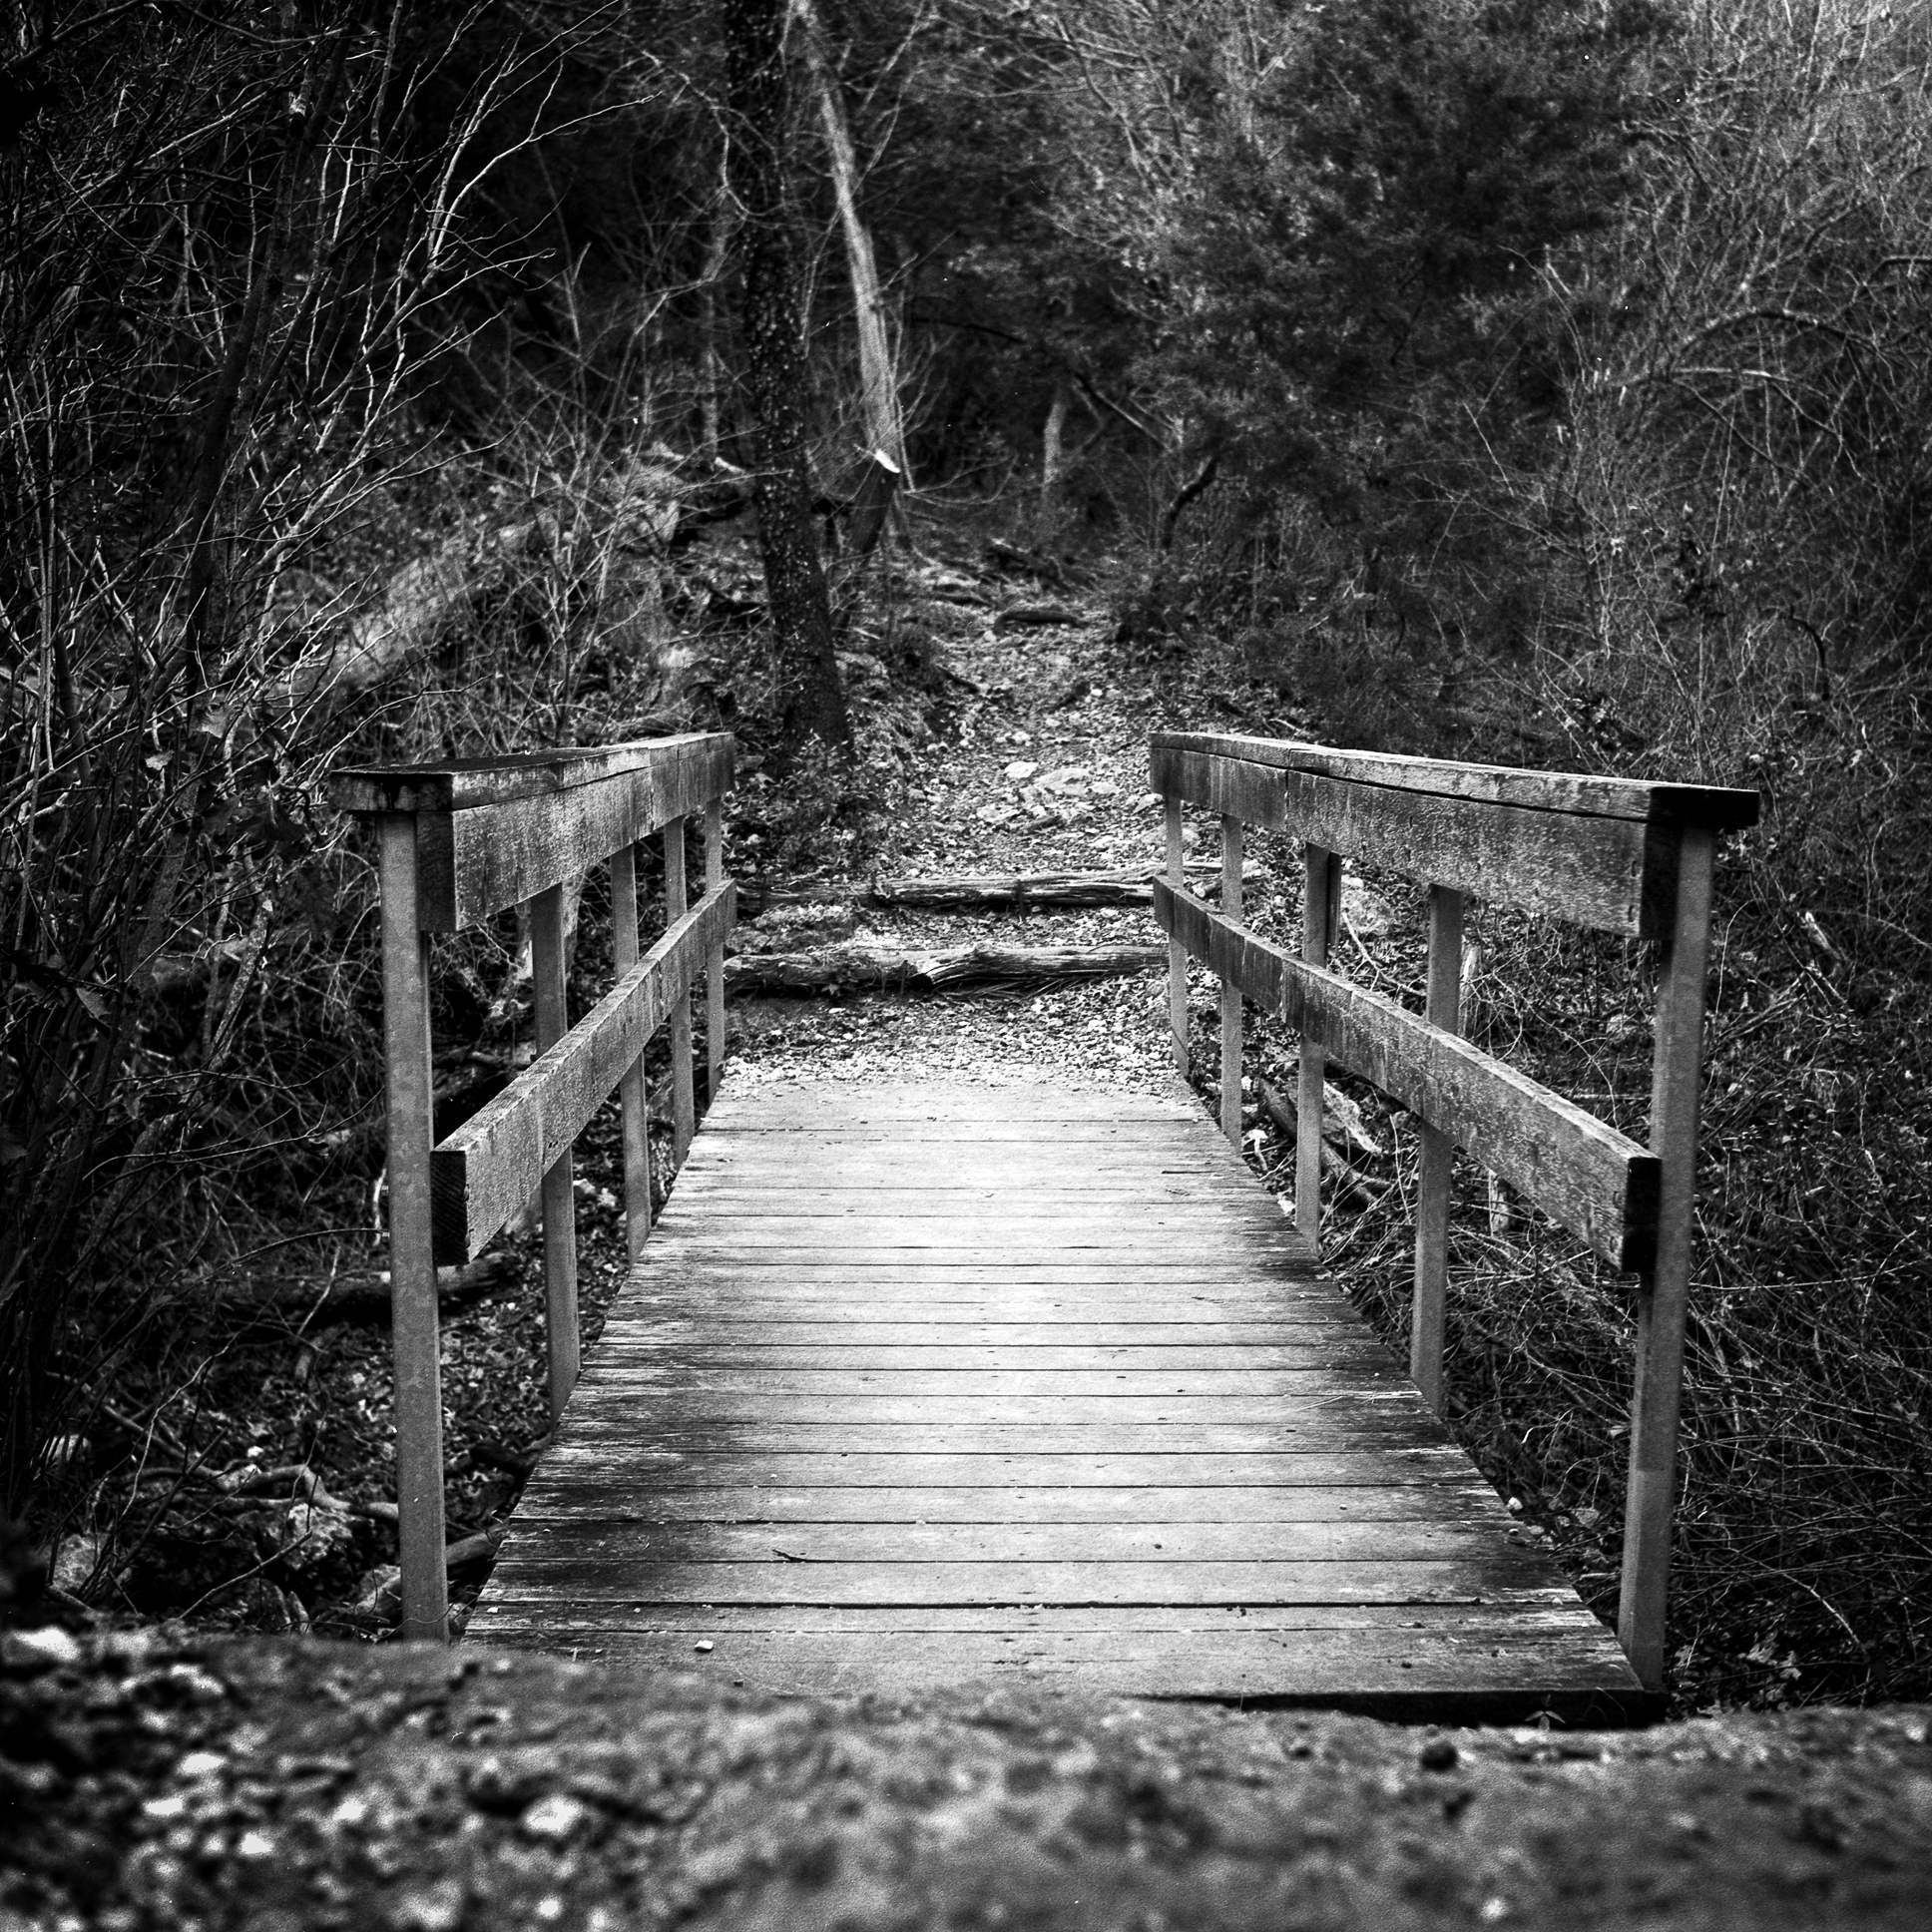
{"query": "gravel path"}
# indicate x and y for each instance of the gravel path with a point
(1029, 782)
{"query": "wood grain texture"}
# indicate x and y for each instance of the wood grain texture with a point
(462, 784)
(493, 834)
(1595, 1181)
(1614, 874)
(1717, 807)
(490, 1166)
(1179, 1465)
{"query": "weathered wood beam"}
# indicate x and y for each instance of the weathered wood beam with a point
(1616, 874)
(1716, 807)
(485, 1172)
(1595, 1181)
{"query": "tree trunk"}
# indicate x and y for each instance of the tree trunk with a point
(797, 596)
(1053, 460)
(878, 380)
(717, 249)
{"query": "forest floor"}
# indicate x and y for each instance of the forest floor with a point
(163, 1780)
(163, 1776)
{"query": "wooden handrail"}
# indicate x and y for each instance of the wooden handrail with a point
(1622, 856)
(458, 843)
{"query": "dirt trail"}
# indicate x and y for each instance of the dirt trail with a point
(1045, 769)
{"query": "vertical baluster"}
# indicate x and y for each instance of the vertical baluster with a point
(715, 959)
(631, 1088)
(1230, 994)
(1321, 899)
(1674, 1081)
(683, 1103)
(415, 1332)
(1177, 952)
(1438, 1153)
(559, 1200)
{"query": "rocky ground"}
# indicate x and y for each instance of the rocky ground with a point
(160, 1776)
(153, 1780)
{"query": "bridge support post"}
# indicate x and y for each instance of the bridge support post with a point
(1177, 952)
(1230, 994)
(631, 1089)
(415, 1329)
(684, 1102)
(1428, 1317)
(547, 972)
(1676, 1076)
(1320, 902)
(715, 959)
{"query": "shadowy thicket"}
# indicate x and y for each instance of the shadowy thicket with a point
(361, 373)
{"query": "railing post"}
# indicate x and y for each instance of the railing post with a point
(1230, 994)
(683, 1103)
(1676, 1076)
(1438, 1154)
(415, 1329)
(1177, 952)
(632, 1097)
(1320, 894)
(547, 974)
(715, 960)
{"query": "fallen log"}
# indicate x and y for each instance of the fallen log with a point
(1026, 617)
(358, 1297)
(861, 967)
(1126, 885)
(1352, 1185)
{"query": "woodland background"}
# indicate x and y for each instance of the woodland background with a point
(1536, 380)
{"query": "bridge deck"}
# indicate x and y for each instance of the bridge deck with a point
(920, 1385)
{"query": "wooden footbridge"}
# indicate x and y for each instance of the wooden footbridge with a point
(915, 1386)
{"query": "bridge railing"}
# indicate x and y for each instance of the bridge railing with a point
(1618, 855)
(460, 842)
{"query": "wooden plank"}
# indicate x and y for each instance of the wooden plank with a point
(697, 1333)
(1423, 1680)
(1058, 1544)
(1447, 1581)
(621, 1433)
(1334, 1347)
(1002, 1502)
(648, 1370)
(633, 1104)
(1580, 1171)
(1430, 1296)
(1230, 994)
(570, 1472)
(725, 1402)
(1537, 1624)
(808, 1107)
(491, 855)
(461, 784)
(684, 1098)
(715, 959)
(547, 974)
(1614, 875)
(1676, 1084)
(1719, 808)
(490, 1166)
(415, 1336)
